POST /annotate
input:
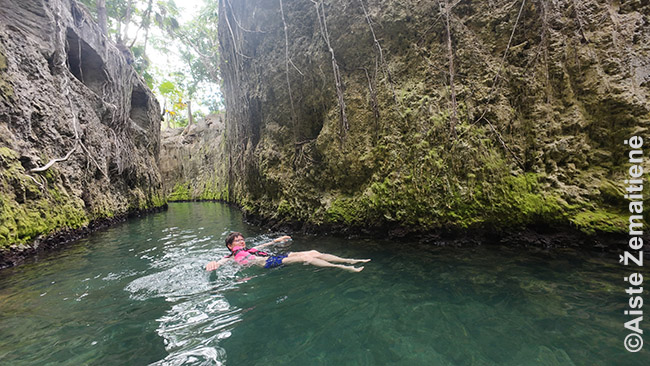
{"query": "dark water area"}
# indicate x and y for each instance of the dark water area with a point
(137, 294)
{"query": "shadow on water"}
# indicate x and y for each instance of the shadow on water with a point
(137, 294)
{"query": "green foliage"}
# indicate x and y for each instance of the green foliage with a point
(196, 42)
(158, 200)
(174, 96)
(167, 88)
(284, 209)
(141, 62)
(201, 51)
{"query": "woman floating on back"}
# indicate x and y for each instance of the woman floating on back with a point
(253, 256)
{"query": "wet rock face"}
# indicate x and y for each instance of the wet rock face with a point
(193, 163)
(67, 92)
(340, 111)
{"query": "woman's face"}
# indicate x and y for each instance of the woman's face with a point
(239, 242)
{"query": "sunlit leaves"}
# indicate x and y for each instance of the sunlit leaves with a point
(167, 88)
(155, 28)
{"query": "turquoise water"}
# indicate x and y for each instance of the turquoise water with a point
(137, 294)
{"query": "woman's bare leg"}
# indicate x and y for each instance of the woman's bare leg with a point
(335, 259)
(330, 257)
(310, 258)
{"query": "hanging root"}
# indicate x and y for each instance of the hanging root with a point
(373, 97)
(495, 80)
(450, 55)
(387, 74)
(578, 12)
(40, 185)
(320, 13)
(53, 161)
(521, 165)
(286, 66)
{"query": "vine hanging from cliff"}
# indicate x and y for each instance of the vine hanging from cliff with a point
(59, 61)
(450, 54)
(495, 82)
(322, 22)
(387, 75)
(286, 66)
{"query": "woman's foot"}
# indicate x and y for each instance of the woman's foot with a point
(353, 269)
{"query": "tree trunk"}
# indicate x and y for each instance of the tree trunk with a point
(190, 119)
(127, 20)
(147, 24)
(101, 17)
(165, 115)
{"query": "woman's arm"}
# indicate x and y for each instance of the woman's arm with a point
(274, 241)
(216, 264)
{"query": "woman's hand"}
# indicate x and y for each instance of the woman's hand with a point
(274, 241)
(282, 238)
(211, 266)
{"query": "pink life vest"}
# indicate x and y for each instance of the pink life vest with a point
(241, 255)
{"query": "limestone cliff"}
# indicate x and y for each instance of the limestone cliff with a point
(67, 93)
(493, 114)
(192, 161)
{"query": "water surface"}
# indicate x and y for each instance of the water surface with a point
(137, 294)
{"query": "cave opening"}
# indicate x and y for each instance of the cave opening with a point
(84, 63)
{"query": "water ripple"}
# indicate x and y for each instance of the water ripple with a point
(143, 297)
(200, 317)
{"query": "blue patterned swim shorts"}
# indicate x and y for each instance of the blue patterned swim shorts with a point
(274, 261)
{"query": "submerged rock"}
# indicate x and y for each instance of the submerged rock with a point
(68, 97)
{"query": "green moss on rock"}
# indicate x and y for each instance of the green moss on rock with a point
(27, 210)
(180, 192)
(5, 88)
(158, 200)
(600, 220)
(345, 211)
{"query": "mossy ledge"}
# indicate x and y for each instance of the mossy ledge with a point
(42, 215)
(17, 254)
(538, 224)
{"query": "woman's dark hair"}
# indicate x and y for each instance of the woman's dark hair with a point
(231, 237)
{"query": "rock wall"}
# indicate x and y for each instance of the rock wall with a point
(67, 93)
(341, 112)
(193, 163)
